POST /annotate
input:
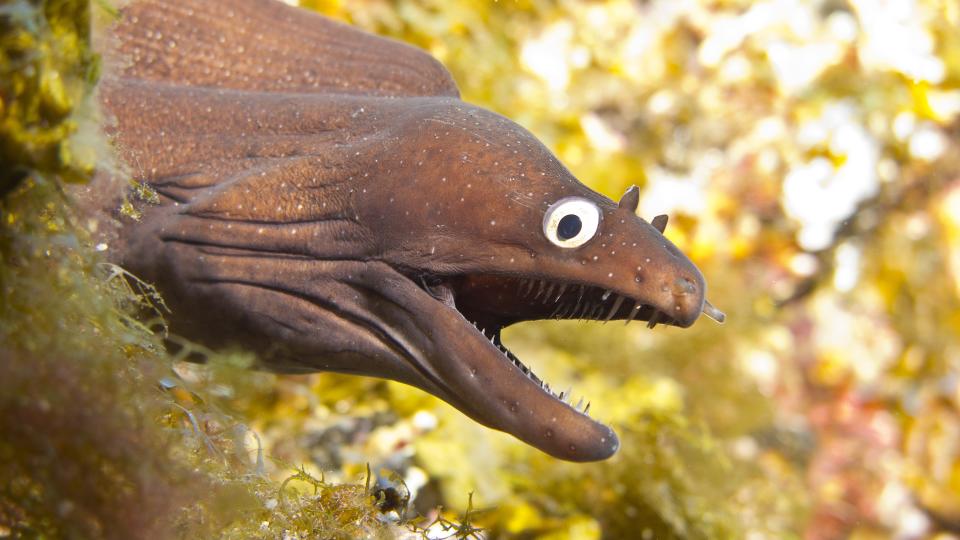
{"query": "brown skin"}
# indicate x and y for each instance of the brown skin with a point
(330, 203)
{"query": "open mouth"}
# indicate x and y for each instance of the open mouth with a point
(491, 303)
(553, 420)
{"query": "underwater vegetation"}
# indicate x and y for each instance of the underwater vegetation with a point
(807, 153)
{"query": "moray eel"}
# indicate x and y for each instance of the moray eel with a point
(329, 202)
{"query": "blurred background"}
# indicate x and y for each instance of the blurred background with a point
(808, 154)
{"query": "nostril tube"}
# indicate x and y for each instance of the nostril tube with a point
(683, 286)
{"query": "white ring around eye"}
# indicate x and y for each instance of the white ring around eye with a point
(565, 232)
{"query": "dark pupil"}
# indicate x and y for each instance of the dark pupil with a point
(569, 227)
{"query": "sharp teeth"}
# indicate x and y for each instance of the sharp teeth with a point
(633, 313)
(565, 397)
(564, 312)
(606, 294)
(540, 289)
(710, 311)
(563, 287)
(526, 287)
(583, 288)
(654, 319)
(615, 308)
(556, 310)
(549, 293)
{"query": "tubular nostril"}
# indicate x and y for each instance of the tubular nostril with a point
(683, 286)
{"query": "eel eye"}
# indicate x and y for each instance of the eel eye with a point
(571, 222)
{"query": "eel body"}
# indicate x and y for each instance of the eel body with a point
(329, 202)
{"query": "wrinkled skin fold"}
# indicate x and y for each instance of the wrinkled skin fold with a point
(329, 202)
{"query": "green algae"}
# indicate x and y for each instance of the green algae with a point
(47, 71)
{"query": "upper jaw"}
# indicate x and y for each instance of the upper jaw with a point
(501, 300)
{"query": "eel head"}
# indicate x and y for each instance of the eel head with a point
(483, 219)
(330, 203)
(401, 252)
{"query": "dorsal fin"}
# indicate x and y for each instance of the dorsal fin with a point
(266, 45)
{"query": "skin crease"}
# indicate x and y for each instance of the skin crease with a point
(329, 202)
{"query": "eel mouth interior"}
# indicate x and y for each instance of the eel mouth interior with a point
(493, 302)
